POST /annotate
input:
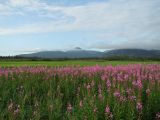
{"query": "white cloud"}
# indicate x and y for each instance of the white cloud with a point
(129, 20)
(4, 10)
(110, 15)
(19, 2)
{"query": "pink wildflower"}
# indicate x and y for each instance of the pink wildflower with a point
(117, 94)
(108, 83)
(88, 87)
(158, 116)
(16, 112)
(69, 108)
(148, 91)
(107, 110)
(132, 98)
(139, 106)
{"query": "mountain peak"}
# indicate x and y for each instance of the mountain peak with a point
(78, 48)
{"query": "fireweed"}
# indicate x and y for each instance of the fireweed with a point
(120, 92)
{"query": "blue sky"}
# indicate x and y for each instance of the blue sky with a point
(36, 25)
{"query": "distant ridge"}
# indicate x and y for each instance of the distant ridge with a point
(80, 53)
(133, 53)
(77, 53)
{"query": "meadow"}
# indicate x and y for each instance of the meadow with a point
(8, 63)
(79, 90)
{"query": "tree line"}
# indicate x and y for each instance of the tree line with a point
(109, 58)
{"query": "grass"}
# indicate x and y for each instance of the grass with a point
(73, 62)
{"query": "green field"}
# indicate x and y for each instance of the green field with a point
(73, 62)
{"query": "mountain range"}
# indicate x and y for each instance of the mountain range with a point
(80, 53)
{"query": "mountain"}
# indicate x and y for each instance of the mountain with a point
(77, 53)
(80, 53)
(133, 53)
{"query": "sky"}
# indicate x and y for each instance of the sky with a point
(39, 25)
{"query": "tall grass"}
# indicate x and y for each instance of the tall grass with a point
(128, 92)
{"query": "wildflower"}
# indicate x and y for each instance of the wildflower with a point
(134, 83)
(95, 110)
(111, 116)
(158, 116)
(92, 83)
(88, 87)
(10, 107)
(129, 91)
(139, 106)
(108, 83)
(69, 108)
(117, 94)
(126, 76)
(122, 98)
(104, 77)
(148, 91)
(100, 96)
(107, 110)
(99, 90)
(139, 84)
(132, 98)
(16, 112)
(81, 103)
